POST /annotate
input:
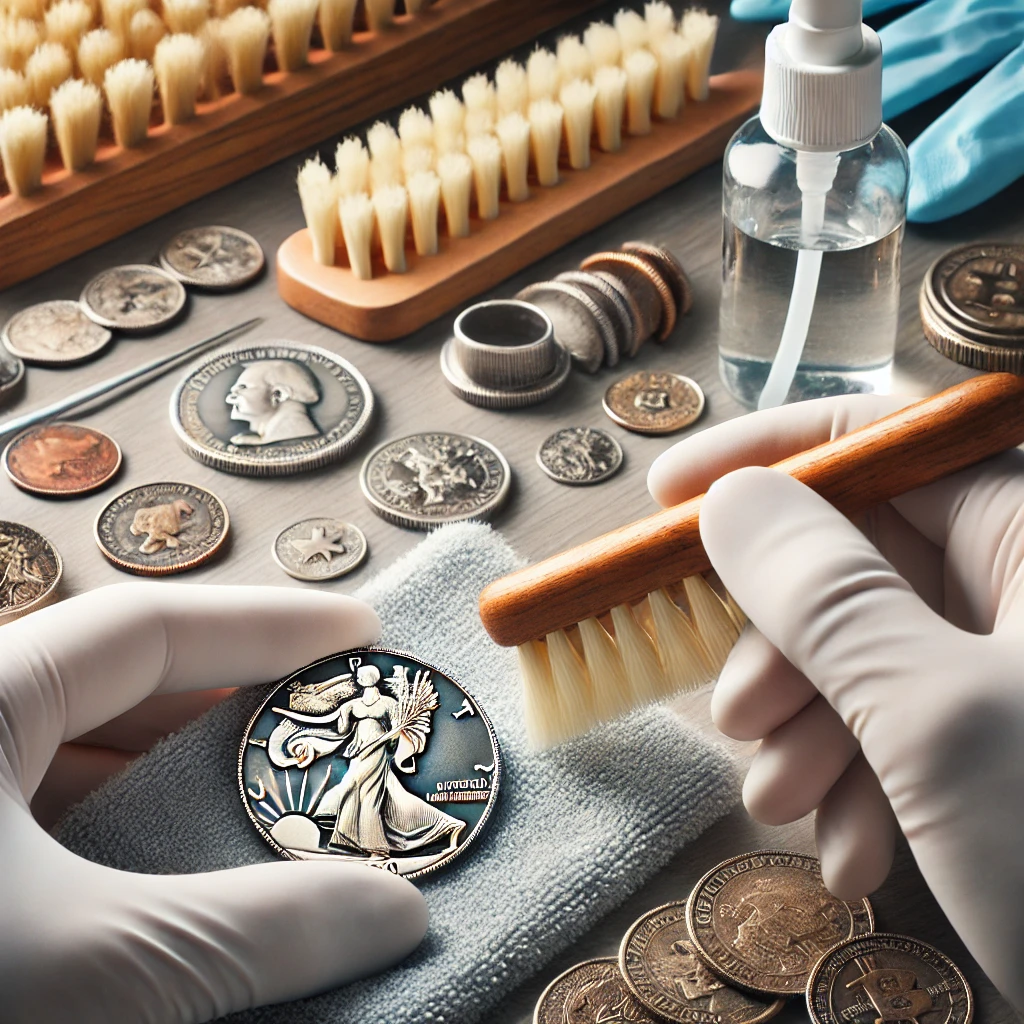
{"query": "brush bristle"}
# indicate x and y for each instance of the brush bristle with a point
(336, 20)
(700, 30)
(23, 148)
(245, 35)
(546, 119)
(641, 75)
(118, 14)
(98, 50)
(67, 21)
(604, 44)
(76, 108)
(178, 62)
(352, 164)
(542, 711)
(291, 23)
(480, 95)
(129, 87)
(604, 663)
(542, 75)
(661, 20)
(318, 196)
(391, 205)
(144, 32)
(673, 53)
(513, 133)
(49, 65)
(715, 624)
(485, 153)
(456, 173)
(512, 88)
(385, 157)
(380, 14)
(416, 129)
(416, 160)
(574, 59)
(634, 32)
(571, 681)
(611, 86)
(577, 98)
(185, 15)
(449, 117)
(424, 189)
(357, 220)
(14, 91)
(18, 39)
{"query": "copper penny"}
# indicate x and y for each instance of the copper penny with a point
(670, 268)
(592, 992)
(886, 977)
(654, 296)
(662, 970)
(30, 571)
(654, 403)
(763, 920)
(62, 460)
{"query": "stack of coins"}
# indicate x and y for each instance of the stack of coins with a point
(756, 929)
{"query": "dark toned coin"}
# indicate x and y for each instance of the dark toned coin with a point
(654, 403)
(593, 992)
(654, 297)
(886, 977)
(62, 460)
(30, 570)
(581, 325)
(12, 373)
(670, 269)
(763, 920)
(637, 337)
(580, 455)
(615, 308)
(662, 970)
(214, 257)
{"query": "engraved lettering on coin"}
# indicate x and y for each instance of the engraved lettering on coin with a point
(137, 297)
(302, 406)
(580, 455)
(31, 570)
(763, 920)
(425, 480)
(887, 978)
(162, 528)
(364, 757)
(592, 992)
(654, 403)
(983, 286)
(54, 334)
(215, 257)
(319, 549)
(62, 460)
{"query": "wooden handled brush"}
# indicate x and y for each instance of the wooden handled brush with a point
(627, 618)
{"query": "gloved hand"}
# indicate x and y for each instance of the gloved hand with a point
(976, 148)
(85, 943)
(882, 670)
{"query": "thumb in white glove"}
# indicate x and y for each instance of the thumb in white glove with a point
(86, 943)
(882, 672)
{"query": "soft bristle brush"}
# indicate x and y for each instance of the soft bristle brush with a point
(628, 618)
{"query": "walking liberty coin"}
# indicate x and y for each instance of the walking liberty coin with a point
(31, 570)
(136, 297)
(158, 529)
(662, 970)
(62, 460)
(54, 334)
(654, 403)
(763, 920)
(592, 992)
(889, 978)
(216, 258)
(370, 757)
(303, 407)
(319, 549)
(426, 480)
(580, 455)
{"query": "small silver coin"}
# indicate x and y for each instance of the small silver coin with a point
(54, 334)
(216, 258)
(614, 306)
(12, 373)
(136, 297)
(372, 757)
(272, 409)
(580, 455)
(425, 480)
(319, 549)
(580, 324)
(30, 570)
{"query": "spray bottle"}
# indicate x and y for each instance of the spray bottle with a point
(814, 207)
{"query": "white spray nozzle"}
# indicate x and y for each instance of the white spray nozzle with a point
(824, 32)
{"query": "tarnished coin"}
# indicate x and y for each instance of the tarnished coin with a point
(158, 529)
(424, 480)
(580, 455)
(983, 285)
(592, 992)
(662, 970)
(370, 757)
(216, 258)
(654, 403)
(12, 373)
(581, 325)
(886, 977)
(62, 460)
(637, 337)
(270, 410)
(31, 570)
(319, 549)
(136, 297)
(54, 334)
(763, 920)
(670, 269)
(644, 280)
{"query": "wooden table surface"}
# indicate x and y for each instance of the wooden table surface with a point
(541, 516)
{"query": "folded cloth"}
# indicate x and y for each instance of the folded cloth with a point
(574, 832)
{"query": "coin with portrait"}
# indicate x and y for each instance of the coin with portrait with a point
(319, 549)
(30, 570)
(62, 460)
(580, 455)
(592, 992)
(56, 333)
(213, 257)
(648, 402)
(136, 297)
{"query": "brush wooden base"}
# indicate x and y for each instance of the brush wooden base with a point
(236, 135)
(393, 305)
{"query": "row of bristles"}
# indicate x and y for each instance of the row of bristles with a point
(466, 153)
(54, 59)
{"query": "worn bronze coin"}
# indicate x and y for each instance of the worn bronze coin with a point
(886, 977)
(62, 460)
(670, 268)
(654, 296)
(593, 992)
(763, 920)
(662, 970)
(30, 570)
(654, 403)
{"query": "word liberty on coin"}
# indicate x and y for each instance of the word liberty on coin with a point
(370, 756)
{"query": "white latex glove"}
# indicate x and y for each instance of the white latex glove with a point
(85, 943)
(882, 673)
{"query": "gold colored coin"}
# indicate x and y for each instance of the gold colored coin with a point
(30, 571)
(592, 992)
(654, 403)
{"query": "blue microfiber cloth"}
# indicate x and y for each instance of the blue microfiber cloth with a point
(575, 831)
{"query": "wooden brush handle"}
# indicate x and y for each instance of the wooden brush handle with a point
(916, 446)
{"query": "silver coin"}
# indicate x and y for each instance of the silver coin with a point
(271, 410)
(319, 549)
(615, 308)
(425, 480)
(372, 757)
(12, 373)
(54, 334)
(30, 570)
(580, 324)
(636, 316)
(136, 297)
(216, 258)
(580, 455)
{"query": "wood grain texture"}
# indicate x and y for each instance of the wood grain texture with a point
(394, 305)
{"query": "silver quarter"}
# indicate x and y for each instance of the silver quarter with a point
(319, 549)
(216, 258)
(580, 324)
(54, 334)
(137, 297)
(614, 306)
(580, 455)
(425, 480)
(503, 398)
(12, 373)
(371, 757)
(31, 570)
(271, 410)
